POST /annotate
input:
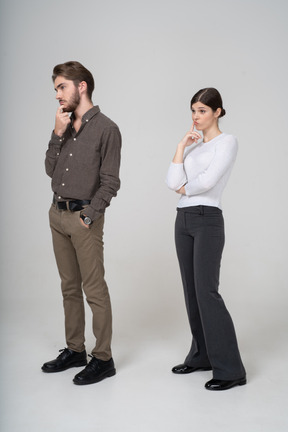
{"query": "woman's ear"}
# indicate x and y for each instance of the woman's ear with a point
(218, 112)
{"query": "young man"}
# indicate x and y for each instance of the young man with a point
(83, 160)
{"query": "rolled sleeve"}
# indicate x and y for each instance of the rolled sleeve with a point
(176, 176)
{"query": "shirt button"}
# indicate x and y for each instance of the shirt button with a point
(74, 139)
(63, 184)
(67, 169)
(71, 154)
(87, 120)
(57, 154)
(59, 197)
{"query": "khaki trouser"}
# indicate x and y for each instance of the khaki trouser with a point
(79, 256)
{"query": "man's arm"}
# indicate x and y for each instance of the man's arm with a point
(52, 154)
(62, 120)
(109, 173)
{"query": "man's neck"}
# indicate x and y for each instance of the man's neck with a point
(84, 106)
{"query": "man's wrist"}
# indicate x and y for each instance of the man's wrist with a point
(58, 133)
(86, 219)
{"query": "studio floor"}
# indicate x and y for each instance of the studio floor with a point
(144, 396)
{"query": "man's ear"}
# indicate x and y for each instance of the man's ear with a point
(82, 86)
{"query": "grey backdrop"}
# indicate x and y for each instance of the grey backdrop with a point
(148, 58)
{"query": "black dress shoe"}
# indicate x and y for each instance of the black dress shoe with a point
(185, 369)
(95, 371)
(215, 384)
(67, 359)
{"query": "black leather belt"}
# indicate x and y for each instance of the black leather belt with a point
(75, 205)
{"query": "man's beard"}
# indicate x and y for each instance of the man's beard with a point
(73, 103)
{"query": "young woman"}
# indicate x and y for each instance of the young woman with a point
(199, 172)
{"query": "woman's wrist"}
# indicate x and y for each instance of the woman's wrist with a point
(181, 145)
(178, 158)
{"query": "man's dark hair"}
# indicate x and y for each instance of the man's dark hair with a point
(76, 72)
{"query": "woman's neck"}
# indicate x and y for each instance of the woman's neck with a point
(211, 133)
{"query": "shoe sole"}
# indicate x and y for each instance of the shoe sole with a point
(195, 370)
(98, 379)
(79, 364)
(240, 383)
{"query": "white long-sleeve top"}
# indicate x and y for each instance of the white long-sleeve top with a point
(205, 171)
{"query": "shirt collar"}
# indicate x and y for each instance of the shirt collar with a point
(89, 114)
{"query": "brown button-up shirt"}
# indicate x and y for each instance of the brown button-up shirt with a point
(85, 165)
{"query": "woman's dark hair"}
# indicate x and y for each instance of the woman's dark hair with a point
(211, 97)
(75, 72)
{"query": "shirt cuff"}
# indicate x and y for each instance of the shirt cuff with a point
(56, 140)
(96, 213)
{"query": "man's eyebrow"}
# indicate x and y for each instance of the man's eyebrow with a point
(59, 85)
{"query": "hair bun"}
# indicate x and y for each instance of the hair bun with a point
(223, 112)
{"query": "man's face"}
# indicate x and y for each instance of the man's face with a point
(67, 94)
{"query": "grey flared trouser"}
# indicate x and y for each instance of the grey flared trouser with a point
(79, 256)
(199, 237)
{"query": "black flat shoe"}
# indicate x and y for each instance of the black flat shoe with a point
(67, 359)
(95, 371)
(215, 384)
(185, 369)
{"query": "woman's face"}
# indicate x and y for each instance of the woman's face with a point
(203, 116)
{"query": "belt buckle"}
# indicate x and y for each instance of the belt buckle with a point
(74, 206)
